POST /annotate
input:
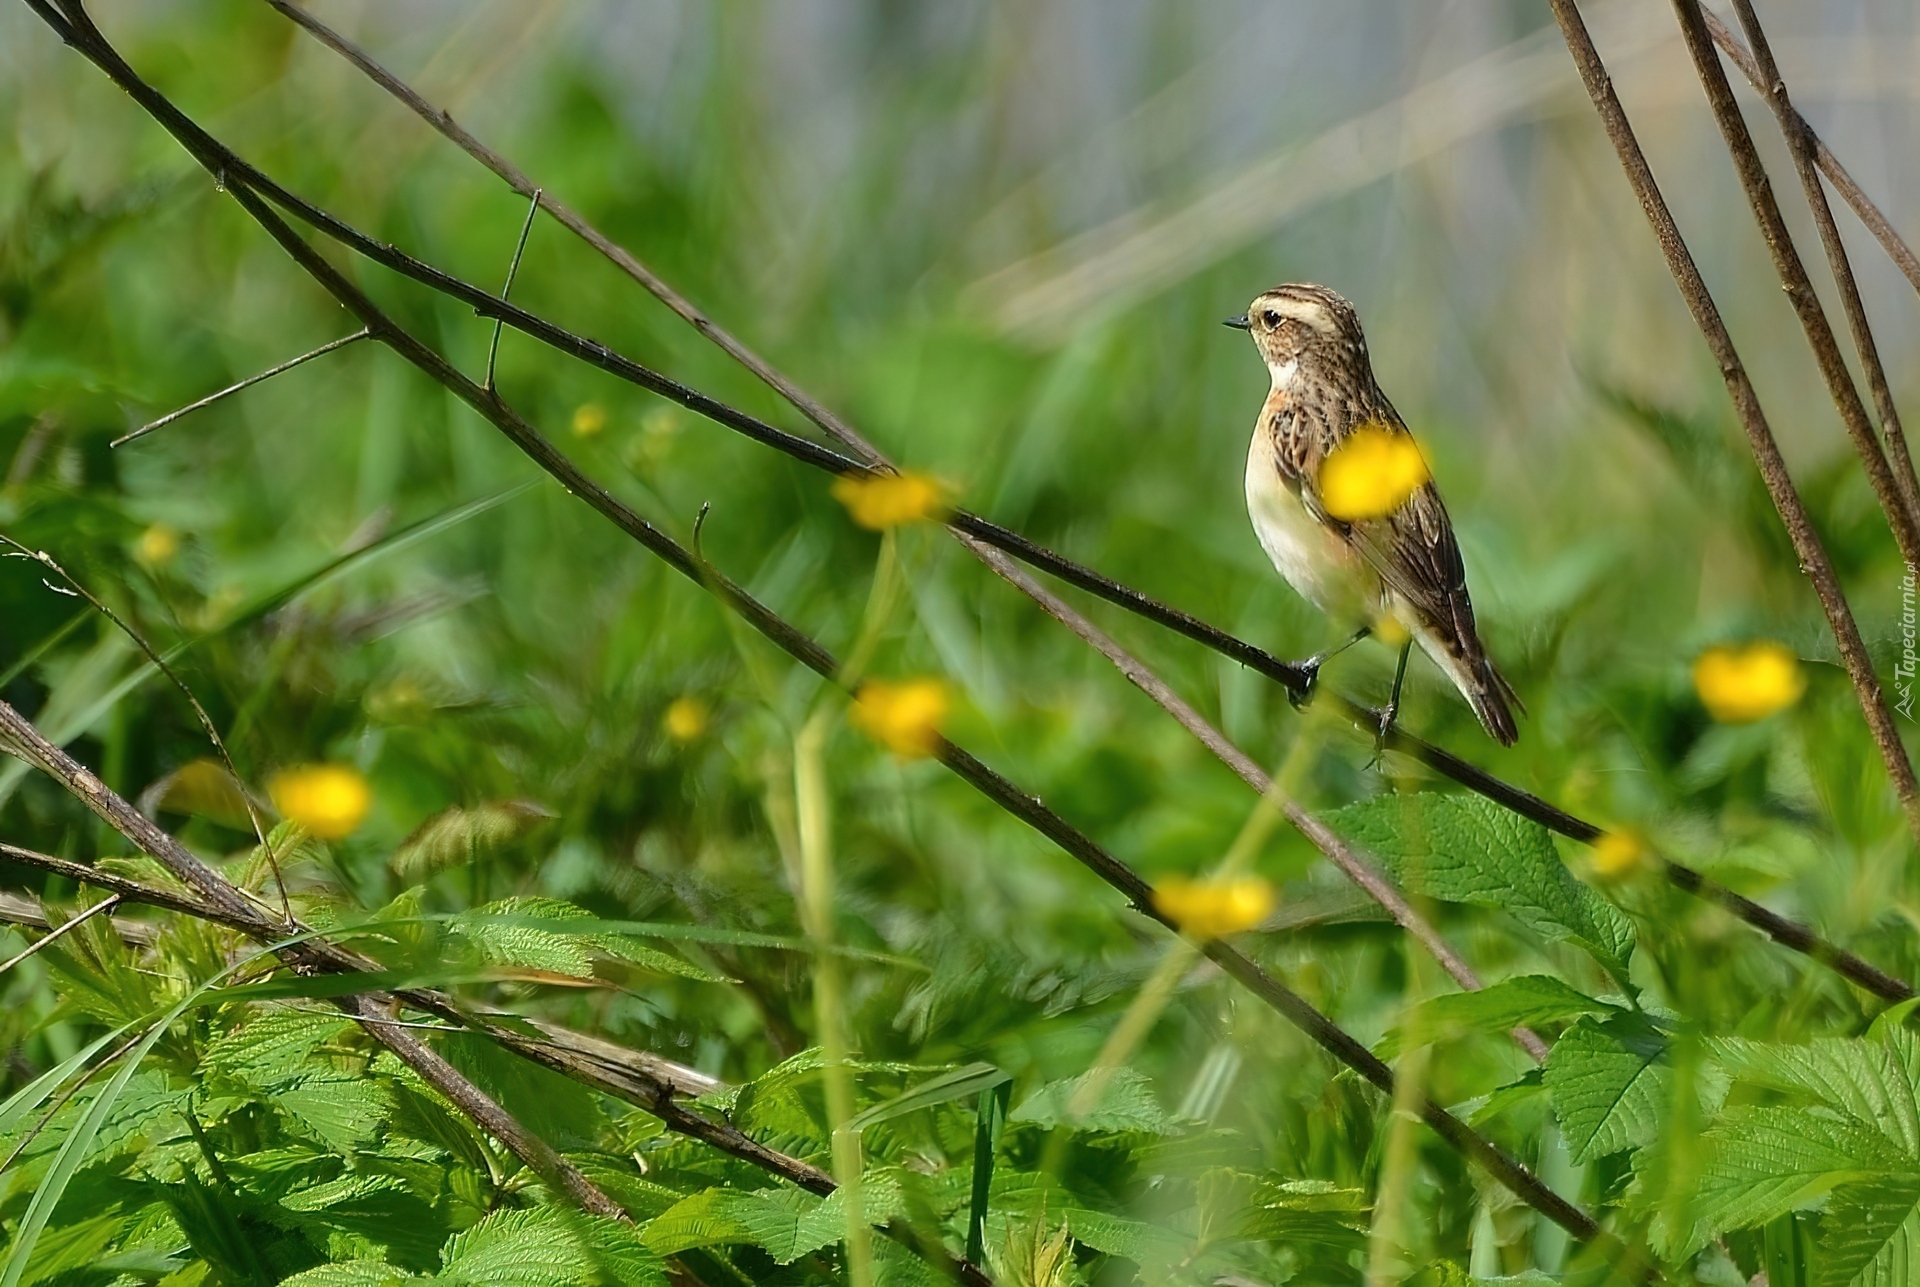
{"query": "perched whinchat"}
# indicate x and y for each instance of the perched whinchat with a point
(1343, 504)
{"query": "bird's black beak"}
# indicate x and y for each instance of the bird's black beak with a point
(1239, 323)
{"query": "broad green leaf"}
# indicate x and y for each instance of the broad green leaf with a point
(1144, 1244)
(1123, 1101)
(1511, 1003)
(1870, 1235)
(1871, 1080)
(270, 1046)
(349, 1273)
(1610, 1085)
(342, 1111)
(148, 1104)
(943, 1089)
(540, 934)
(620, 1252)
(1295, 1212)
(1465, 849)
(1759, 1163)
(787, 1223)
(532, 1248)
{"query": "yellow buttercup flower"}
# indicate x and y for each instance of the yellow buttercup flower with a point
(1739, 684)
(329, 800)
(157, 545)
(686, 719)
(1371, 474)
(1617, 854)
(1212, 908)
(905, 717)
(589, 418)
(881, 501)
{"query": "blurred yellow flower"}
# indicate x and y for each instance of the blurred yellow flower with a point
(1748, 682)
(1211, 908)
(1389, 630)
(1617, 854)
(1371, 474)
(686, 719)
(905, 717)
(329, 800)
(157, 545)
(589, 418)
(881, 501)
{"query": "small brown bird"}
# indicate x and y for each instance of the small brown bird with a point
(1374, 544)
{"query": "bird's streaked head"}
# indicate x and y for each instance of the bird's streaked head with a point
(1300, 326)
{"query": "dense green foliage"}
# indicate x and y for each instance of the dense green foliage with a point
(581, 772)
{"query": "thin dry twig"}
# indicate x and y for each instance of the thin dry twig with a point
(78, 919)
(200, 712)
(1746, 403)
(231, 389)
(18, 910)
(972, 529)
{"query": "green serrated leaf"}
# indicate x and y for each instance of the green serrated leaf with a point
(1122, 1101)
(1523, 1001)
(787, 1223)
(1465, 849)
(270, 1046)
(532, 1248)
(1871, 1081)
(1870, 1235)
(1610, 1085)
(343, 1112)
(349, 1273)
(1760, 1163)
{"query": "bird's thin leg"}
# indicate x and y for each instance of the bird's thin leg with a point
(1392, 707)
(1312, 666)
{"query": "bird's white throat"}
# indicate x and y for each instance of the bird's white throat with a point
(1285, 373)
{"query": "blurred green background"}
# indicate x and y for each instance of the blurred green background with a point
(999, 239)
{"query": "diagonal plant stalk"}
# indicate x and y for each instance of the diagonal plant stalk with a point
(1791, 934)
(1746, 402)
(814, 825)
(1804, 146)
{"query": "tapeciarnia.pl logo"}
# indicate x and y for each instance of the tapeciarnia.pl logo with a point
(1904, 669)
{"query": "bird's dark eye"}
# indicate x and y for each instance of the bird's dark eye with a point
(1271, 318)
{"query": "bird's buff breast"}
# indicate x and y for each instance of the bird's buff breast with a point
(1316, 563)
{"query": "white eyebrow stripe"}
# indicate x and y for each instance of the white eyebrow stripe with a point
(1305, 310)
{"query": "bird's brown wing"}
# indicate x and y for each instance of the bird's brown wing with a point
(1413, 549)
